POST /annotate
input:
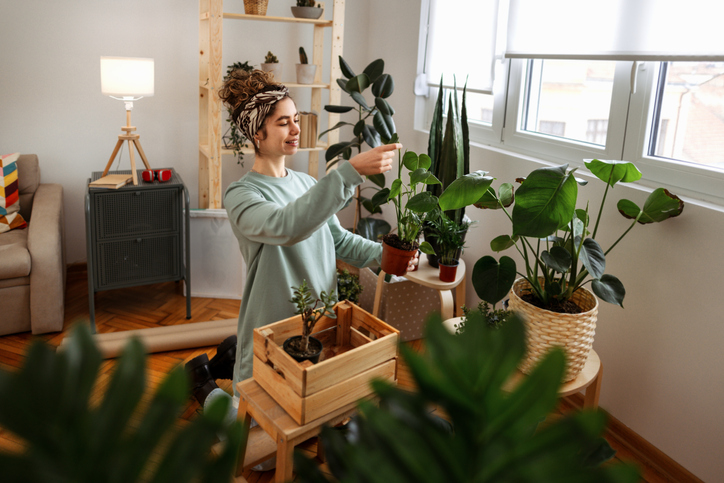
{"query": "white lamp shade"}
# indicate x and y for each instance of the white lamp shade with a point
(127, 76)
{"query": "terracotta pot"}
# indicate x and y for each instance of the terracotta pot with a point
(394, 260)
(314, 343)
(305, 73)
(447, 272)
(545, 329)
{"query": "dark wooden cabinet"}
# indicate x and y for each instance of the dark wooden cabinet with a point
(137, 235)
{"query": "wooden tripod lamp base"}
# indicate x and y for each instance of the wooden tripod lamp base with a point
(133, 140)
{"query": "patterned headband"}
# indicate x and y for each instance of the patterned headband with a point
(253, 113)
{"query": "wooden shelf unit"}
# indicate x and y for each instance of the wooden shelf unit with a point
(211, 150)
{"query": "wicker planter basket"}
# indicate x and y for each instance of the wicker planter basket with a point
(573, 332)
(255, 7)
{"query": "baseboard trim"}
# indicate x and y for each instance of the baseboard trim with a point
(644, 451)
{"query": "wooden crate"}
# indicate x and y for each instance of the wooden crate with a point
(361, 348)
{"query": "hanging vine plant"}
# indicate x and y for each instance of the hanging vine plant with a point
(233, 138)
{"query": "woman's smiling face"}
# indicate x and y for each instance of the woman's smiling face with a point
(280, 134)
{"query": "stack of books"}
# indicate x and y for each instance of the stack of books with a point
(112, 181)
(308, 129)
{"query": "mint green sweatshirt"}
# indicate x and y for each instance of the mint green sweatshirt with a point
(288, 231)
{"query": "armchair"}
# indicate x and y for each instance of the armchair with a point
(32, 260)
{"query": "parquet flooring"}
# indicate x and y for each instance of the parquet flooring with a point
(164, 304)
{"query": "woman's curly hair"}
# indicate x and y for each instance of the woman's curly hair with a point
(240, 86)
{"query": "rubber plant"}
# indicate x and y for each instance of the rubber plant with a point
(49, 403)
(233, 138)
(555, 237)
(311, 312)
(493, 434)
(381, 130)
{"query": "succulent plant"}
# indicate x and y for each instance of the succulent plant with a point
(270, 58)
(303, 59)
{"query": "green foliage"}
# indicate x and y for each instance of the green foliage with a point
(381, 130)
(309, 310)
(448, 236)
(47, 403)
(306, 3)
(234, 139)
(555, 238)
(449, 144)
(270, 58)
(495, 318)
(303, 56)
(496, 435)
(348, 286)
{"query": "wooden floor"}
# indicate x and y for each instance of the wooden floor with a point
(164, 304)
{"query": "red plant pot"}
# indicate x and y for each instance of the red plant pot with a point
(394, 260)
(447, 272)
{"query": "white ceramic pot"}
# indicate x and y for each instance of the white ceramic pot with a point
(275, 69)
(306, 73)
(307, 12)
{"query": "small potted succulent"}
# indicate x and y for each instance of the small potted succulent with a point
(305, 70)
(348, 286)
(305, 347)
(271, 64)
(307, 9)
(449, 238)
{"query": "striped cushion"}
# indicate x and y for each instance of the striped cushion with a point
(9, 194)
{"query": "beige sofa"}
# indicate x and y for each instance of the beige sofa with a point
(32, 260)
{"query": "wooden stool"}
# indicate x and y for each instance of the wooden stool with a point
(277, 432)
(589, 379)
(429, 276)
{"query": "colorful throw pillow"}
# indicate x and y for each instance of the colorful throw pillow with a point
(10, 194)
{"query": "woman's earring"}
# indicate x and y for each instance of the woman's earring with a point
(257, 143)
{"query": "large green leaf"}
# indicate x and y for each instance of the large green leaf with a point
(336, 126)
(370, 206)
(422, 202)
(659, 206)
(375, 69)
(544, 202)
(371, 136)
(558, 258)
(380, 198)
(434, 143)
(593, 258)
(384, 86)
(609, 289)
(421, 175)
(611, 171)
(410, 160)
(502, 243)
(395, 189)
(493, 280)
(342, 83)
(384, 125)
(360, 100)
(424, 161)
(358, 83)
(383, 106)
(336, 149)
(465, 191)
(338, 109)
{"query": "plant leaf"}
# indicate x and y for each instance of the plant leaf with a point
(545, 202)
(384, 125)
(380, 198)
(384, 86)
(493, 280)
(336, 126)
(609, 289)
(410, 160)
(338, 109)
(346, 69)
(422, 202)
(358, 83)
(421, 175)
(611, 171)
(661, 205)
(373, 228)
(395, 189)
(593, 258)
(427, 249)
(336, 149)
(558, 258)
(375, 69)
(501, 243)
(465, 191)
(383, 106)
(371, 136)
(359, 99)
(342, 83)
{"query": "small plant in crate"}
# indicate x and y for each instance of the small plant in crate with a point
(298, 346)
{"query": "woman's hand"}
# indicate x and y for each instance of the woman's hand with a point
(414, 262)
(375, 161)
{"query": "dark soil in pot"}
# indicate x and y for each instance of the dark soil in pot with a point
(293, 347)
(395, 241)
(566, 307)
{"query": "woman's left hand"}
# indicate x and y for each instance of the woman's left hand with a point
(414, 262)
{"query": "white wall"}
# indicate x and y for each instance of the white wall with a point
(661, 354)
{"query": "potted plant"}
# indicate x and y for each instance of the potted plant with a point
(449, 238)
(307, 9)
(381, 129)
(305, 347)
(493, 318)
(234, 139)
(305, 70)
(412, 202)
(561, 254)
(271, 64)
(449, 151)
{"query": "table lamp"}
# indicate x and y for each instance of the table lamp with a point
(127, 79)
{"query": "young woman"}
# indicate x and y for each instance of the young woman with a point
(285, 220)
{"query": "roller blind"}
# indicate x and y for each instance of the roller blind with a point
(461, 41)
(635, 30)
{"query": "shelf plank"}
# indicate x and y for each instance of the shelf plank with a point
(204, 149)
(267, 18)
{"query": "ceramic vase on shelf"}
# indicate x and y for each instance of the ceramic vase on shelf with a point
(307, 12)
(275, 68)
(306, 73)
